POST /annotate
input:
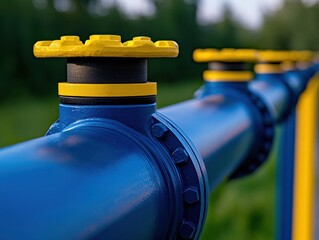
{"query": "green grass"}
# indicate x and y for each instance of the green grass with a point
(243, 209)
(26, 119)
(238, 210)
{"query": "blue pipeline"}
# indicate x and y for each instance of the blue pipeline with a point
(275, 92)
(111, 172)
(129, 172)
(222, 123)
(308, 73)
(67, 186)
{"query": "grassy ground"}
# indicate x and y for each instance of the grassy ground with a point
(238, 210)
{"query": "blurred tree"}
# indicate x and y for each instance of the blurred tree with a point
(24, 22)
(293, 26)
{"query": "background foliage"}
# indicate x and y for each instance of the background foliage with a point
(238, 210)
(24, 22)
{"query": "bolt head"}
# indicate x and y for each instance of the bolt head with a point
(142, 38)
(191, 195)
(159, 130)
(70, 38)
(165, 44)
(187, 230)
(106, 37)
(180, 156)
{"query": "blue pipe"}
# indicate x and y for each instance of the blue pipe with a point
(127, 171)
(93, 180)
(224, 127)
(274, 92)
(101, 174)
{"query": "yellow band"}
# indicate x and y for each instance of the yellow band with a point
(107, 90)
(267, 68)
(224, 55)
(305, 163)
(227, 76)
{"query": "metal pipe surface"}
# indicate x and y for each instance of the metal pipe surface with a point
(90, 182)
(118, 180)
(274, 93)
(222, 129)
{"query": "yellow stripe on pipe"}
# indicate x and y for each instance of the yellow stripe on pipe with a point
(304, 185)
(107, 90)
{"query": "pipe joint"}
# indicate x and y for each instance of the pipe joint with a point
(192, 173)
(266, 135)
(290, 84)
(263, 121)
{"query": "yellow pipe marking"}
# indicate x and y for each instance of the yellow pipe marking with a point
(304, 187)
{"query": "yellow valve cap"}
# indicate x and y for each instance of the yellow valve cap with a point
(272, 56)
(282, 56)
(305, 56)
(224, 55)
(105, 46)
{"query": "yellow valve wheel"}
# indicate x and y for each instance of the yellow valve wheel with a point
(273, 56)
(306, 56)
(281, 56)
(105, 46)
(225, 55)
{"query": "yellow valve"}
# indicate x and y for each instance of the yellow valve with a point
(273, 56)
(224, 55)
(283, 56)
(303, 58)
(105, 46)
(306, 56)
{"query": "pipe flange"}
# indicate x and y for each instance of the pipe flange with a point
(293, 98)
(192, 173)
(259, 156)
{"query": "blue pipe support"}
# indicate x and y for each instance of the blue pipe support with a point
(285, 178)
